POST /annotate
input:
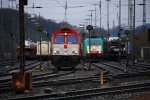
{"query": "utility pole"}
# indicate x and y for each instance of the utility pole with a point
(95, 18)
(91, 16)
(144, 14)
(113, 26)
(89, 19)
(21, 36)
(131, 22)
(95, 13)
(144, 17)
(40, 42)
(133, 35)
(1, 3)
(12, 3)
(130, 16)
(100, 8)
(1, 31)
(108, 16)
(86, 21)
(65, 18)
(129, 30)
(100, 12)
(129, 12)
(12, 37)
(119, 31)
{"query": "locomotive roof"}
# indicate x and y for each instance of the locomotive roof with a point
(65, 30)
(94, 39)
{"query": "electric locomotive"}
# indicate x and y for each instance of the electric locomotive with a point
(93, 48)
(65, 48)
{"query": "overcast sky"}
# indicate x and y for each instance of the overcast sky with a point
(54, 9)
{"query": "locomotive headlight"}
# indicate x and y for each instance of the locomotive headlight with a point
(94, 47)
(100, 48)
(124, 49)
(56, 51)
(74, 51)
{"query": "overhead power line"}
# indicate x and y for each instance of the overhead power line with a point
(60, 3)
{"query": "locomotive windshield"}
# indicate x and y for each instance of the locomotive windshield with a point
(72, 39)
(95, 43)
(59, 39)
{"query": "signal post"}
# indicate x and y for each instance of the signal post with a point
(22, 81)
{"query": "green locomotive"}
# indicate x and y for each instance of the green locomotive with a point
(93, 47)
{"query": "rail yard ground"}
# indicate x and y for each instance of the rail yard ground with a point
(83, 83)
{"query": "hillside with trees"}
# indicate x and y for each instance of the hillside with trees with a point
(9, 28)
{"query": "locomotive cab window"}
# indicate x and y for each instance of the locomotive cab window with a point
(59, 39)
(95, 43)
(72, 39)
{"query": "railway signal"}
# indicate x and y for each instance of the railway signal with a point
(22, 81)
(127, 51)
(89, 28)
(25, 2)
(40, 29)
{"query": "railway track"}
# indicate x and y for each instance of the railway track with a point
(46, 79)
(105, 70)
(112, 69)
(37, 79)
(123, 70)
(132, 70)
(67, 81)
(16, 67)
(137, 67)
(6, 62)
(137, 64)
(116, 90)
(123, 73)
(6, 79)
(75, 94)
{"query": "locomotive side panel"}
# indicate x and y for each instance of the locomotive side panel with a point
(61, 49)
